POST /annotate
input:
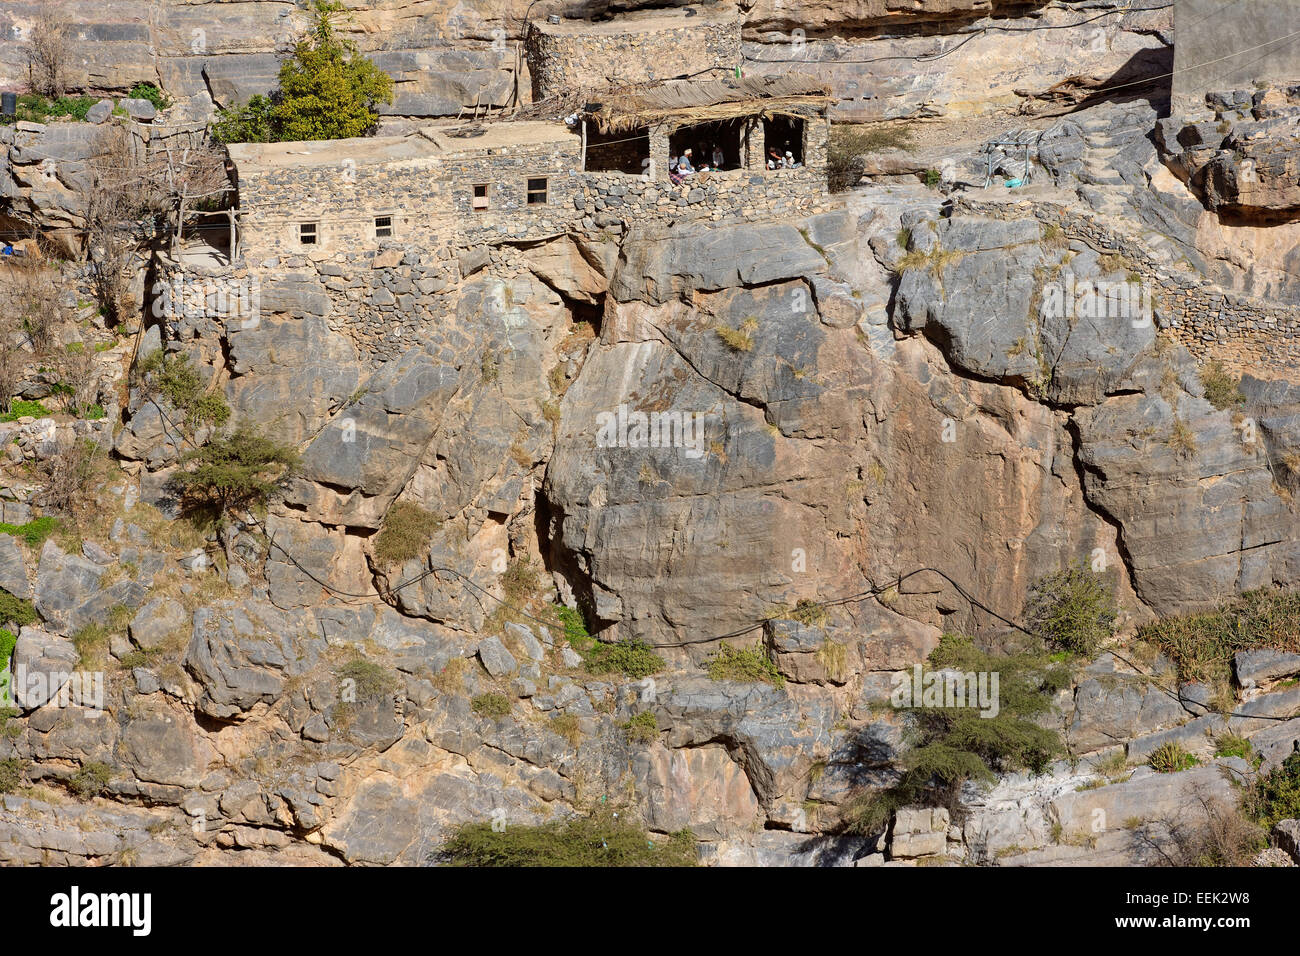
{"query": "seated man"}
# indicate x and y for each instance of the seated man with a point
(788, 161)
(718, 158)
(684, 164)
(773, 158)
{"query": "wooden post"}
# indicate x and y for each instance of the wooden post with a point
(519, 60)
(584, 144)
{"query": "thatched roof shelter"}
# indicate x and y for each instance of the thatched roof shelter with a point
(684, 102)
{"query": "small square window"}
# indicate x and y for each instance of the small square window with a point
(537, 191)
(307, 233)
(383, 227)
(481, 196)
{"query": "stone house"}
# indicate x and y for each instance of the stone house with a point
(373, 235)
(604, 166)
(630, 138)
(433, 187)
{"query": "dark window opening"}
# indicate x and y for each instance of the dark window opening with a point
(307, 233)
(713, 146)
(383, 227)
(480, 196)
(782, 142)
(625, 152)
(537, 191)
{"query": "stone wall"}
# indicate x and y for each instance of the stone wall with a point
(636, 50)
(383, 301)
(1212, 323)
(616, 200)
(506, 173)
(342, 199)
(429, 200)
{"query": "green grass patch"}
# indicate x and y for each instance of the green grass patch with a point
(405, 533)
(1276, 795)
(746, 664)
(22, 408)
(491, 705)
(1170, 758)
(369, 680)
(17, 611)
(1202, 645)
(599, 840)
(91, 640)
(35, 108)
(575, 628)
(634, 659)
(1233, 745)
(643, 728)
(1222, 389)
(569, 727)
(91, 780)
(11, 773)
(33, 532)
(150, 92)
(174, 378)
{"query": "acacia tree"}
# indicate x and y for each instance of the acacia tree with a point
(234, 473)
(327, 90)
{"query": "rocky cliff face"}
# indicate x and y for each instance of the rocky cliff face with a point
(447, 57)
(886, 408)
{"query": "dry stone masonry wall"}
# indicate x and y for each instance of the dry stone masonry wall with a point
(635, 50)
(342, 200)
(1212, 323)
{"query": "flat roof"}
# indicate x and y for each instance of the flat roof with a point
(684, 101)
(428, 142)
(641, 21)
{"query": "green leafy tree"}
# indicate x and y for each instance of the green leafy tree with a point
(250, 123)
(233, 473)
(327, 90)
(951, 745)
(1072, 609)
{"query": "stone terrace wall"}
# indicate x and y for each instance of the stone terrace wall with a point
(1244, 333)
(383, 301)
(614, 200)
(562, 60)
